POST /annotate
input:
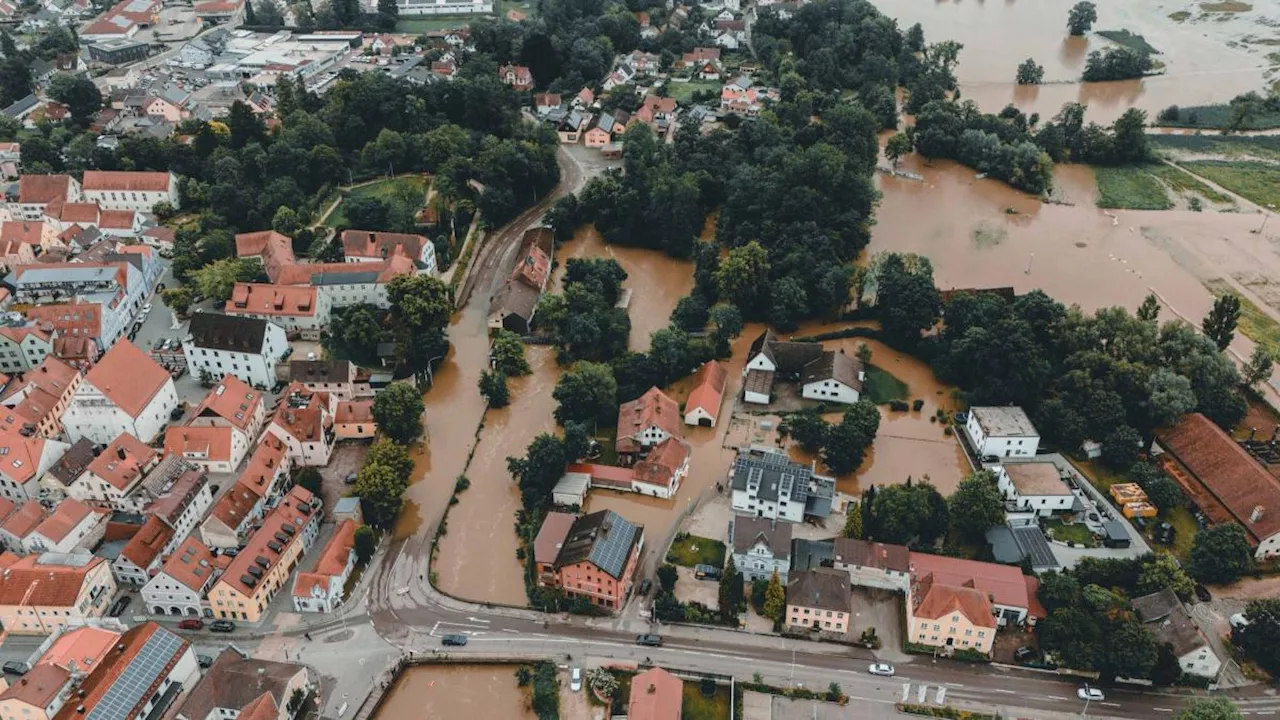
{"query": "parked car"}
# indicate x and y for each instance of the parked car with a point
(231, 552)
(575, 680)
(204, 660)
(706, 572)
(649, 640)
(1202, 594)
(645, 586)
(16, 667)
(881, 669)
(1090, 693)
(146, 308)
(119, 605)
(191, 624)
(350, 479)
(222, 626)
(1024, 653)
(454, 640)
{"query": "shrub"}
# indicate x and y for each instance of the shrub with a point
(917, 404)
(898, 405)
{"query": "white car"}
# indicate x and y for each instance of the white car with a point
(146, 308)
(575, 680)
(882, 669)
(1090, 693)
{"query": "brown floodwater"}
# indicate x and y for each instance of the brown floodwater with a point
(1203, 57)
(477, 559)
(456, 691)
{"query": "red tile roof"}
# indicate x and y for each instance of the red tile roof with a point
(199, 443)
(354, 411)
(655, 695)
(233, 507)
(146, 545)
(191, 564)
(333, 560)
(654, 408)
(272, 300)
(662, 462)
(934, 600)
(21, 231)
(43, 189)
(551, 536)
(294, 510)
(23, 520)
(104, 677)
(21, 457)
(66, 517)
(233, 400)
(275, 250)
(117, 180)
(124, 461)
(1227, 472)
(31, 582)
(128, 377)
(381, 245)
(708, 389)
(78, 318)
(38, 686)
(305, 423)
(1004, 584)
(263, 464)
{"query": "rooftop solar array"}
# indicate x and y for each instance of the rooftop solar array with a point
(131, 688)
(613, 545)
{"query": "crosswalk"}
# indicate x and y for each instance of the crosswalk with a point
(922, 694)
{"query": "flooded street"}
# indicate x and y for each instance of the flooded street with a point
(1208, 56)
(456, 691)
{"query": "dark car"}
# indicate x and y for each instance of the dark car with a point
(1024, 653)
(649, 640)
(1202, 593)
(645, 586)
(119, 605)
(222, 626)
(191, 624)
(454, 640)
(16, 667)
(350, 479)
(204, 661)
(176, 413)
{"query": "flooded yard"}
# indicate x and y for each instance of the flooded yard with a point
(456, 691)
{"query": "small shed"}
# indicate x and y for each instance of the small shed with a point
(1116, 534)
(572, 489)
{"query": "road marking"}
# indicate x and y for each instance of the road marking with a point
(1109, 704)
(1056, 697)
(954, 684)
(1168, 710)
(510, 630)
(1002, 690)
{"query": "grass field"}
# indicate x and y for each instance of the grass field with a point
(1129, 40)
(1266, 147)
(1076, 533)
(382, 189)
(1254, 323)
(419, 25)
(683, 92)
(690, 550)
(1215, 117)
(1187, 184)
(696, 707)
(1130, 188)
(882, 387)
(1259, 182)
(1184, 526)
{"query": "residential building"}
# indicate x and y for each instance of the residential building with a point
(179, 587)
(23, 347)
(140, 677)
(444, 7)
(123, 20)
(335, 377)
(38, 401)
(1170, 622)
(1001, 432)
(114, 476)
(230, 518)
(819, 600)
(119, 51)
(768, 358)
(294, 308)
(72, 526)
(346, 284)
(235, 683)
(1035, 487)
(321, 590)
(123, 190)
(19, 522)
(593, 557)
(514, 303)
(52, 281)
(35, 192)
(517, 76)
(34, 234)
(647, 421)
(1012, 595)
(270, 248)
(1226, 482)
(126, 392)
(353, 420)
(304, 423)
(834, 377)
(766, 483)
(39, 694)
(657, 112)
(655, 695)
(873, 564)
(77, 329)
(24, 459)
(266, 475)
(761, 547)
(182, 501)
(363, 246)
(44, 593)
(231, 403)
(246, 347)
(214, 449)
(141, 556)
(950, 617)
(703, 406)
(262, 567)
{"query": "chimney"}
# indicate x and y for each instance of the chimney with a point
(1256, 515)
(121, 453)
(652, 688)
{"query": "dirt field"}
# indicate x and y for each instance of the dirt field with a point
(347, 458)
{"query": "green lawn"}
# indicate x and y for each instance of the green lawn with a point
(1184, 525)
(1185, 183)
(690, 550)
(683, 92)
(1257, 181)
(1099, 476)
(1129, 40)
(1077, 533)
(697, 707)
(383, 189)
(1266, 147)
(1130, 188)
(1254, 323)
(419, 25)
(882, 387)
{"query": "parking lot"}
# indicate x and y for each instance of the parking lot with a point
(346, 460)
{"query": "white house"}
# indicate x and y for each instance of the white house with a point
(873, 564)
(835, 377)
(1168, 620)
(229, 519)
(767, 484)
(1001, 432)
(126, 392)
(703, 406)
(72, 526)
(304, 423)
(761, 547)
(321, 589)
(1035, 487)
(660, 472)
(142, 555)
(181, 502)
(216, 449)
(124, 190)
(647, 421)
(364, 246)
(23, 461)
(180, 586)
(248, 348)
(292, 307)
(114, 476)
(23, 347)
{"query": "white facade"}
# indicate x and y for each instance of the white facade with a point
(127, 573)
(695, 416)
(86, 534)
(444, 7)
(1002, 432)
(340, 295)
(162, 595)
(93, 415)
(749, 502)
(137, 200)
(191, 514)
(22, 356)
(257, 369)
(829, 391)
(1201, 662)
(14, 487)
(1269, 547)
(759, 563)
(1043, 502)
(238, 448)
(651, 436)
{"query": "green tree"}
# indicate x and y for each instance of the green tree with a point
(731, 594)
(493, 388)
(1081, 18)
(1218, 708)
(79, 94)
(976, 506)
(286, 221)
(421, 306)
(1130, 650)
(365, 543)
(691, 313)
(388, 454)
(1165, 494)
(853, 522)
(809, 429)
(1030, 72)
(250, 17)
(507, 354)
(897, 147)
(847, 442)
(743, 279)
(388, 12)
(178, 299)
(906, 299)
(1129, 137)
(1259, 366)
(1220, 554)
(1164, 571)
(667, 576)
(775, 599)
(728, 325)
(218, 279)
(398, 412)
(1120, 447)
(539, 470)
(309, 478)
(903, 514)
(1260, 640)
(1149, 311)
(163, 210)
(587, 392)
(381, 493)
(1058, 590)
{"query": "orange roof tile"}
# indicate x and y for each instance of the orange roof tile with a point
(117, 219)
(145, 546)
(191, 564)
(233, 400)
(653, 409)
(32, 582)
(272, 300)
(1003, 583)
(294, 510)
(655, 695)
(76, 317)
(233, 507)
(934, 599)
(20, 455)
(305, 423)
(662, 462)
(263, 464)
(43, 189)
(26, 518)
(124, 461)
(103, 678)
(22, 231)
(381, 245)
(128, 377)
(263, 708)
(199, 443)
(66, 517)
(83, 646)
(354, 411)
(38, 686)
(333, 560)
(708, 389)
(117, 180)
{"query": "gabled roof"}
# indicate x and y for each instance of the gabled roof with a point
(381, 245)
(235, 681)
(230, 333)
(128, 181)
(320, 371)
(51, 579)
(662, 463)
(823, 588)
(746, 531)
(66, 517)
(200, 443)
(834, 365)
(129, 676)
(272, 300)
(653, 409)
(333, 560)
(20, 455)
(936, 599)
(604, 539)
(38, 687)
(292, 514)
(129, 377)
(263, 465)
(145, 546)
(655, 695)
(1157, 605)
(21, 522)
(123, 462)
(234, 506)
(191, 564)
(881, 556)
(354, 411)
(1004, 584)
(708, 388)
(551, 536)
(233, 400)
(43, 189)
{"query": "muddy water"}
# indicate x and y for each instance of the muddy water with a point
(477, 558)
(456, 691)
(656, 281)
(1201, 65)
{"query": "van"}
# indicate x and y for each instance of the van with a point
(454, 640)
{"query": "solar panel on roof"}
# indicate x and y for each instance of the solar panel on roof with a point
(145, 670)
